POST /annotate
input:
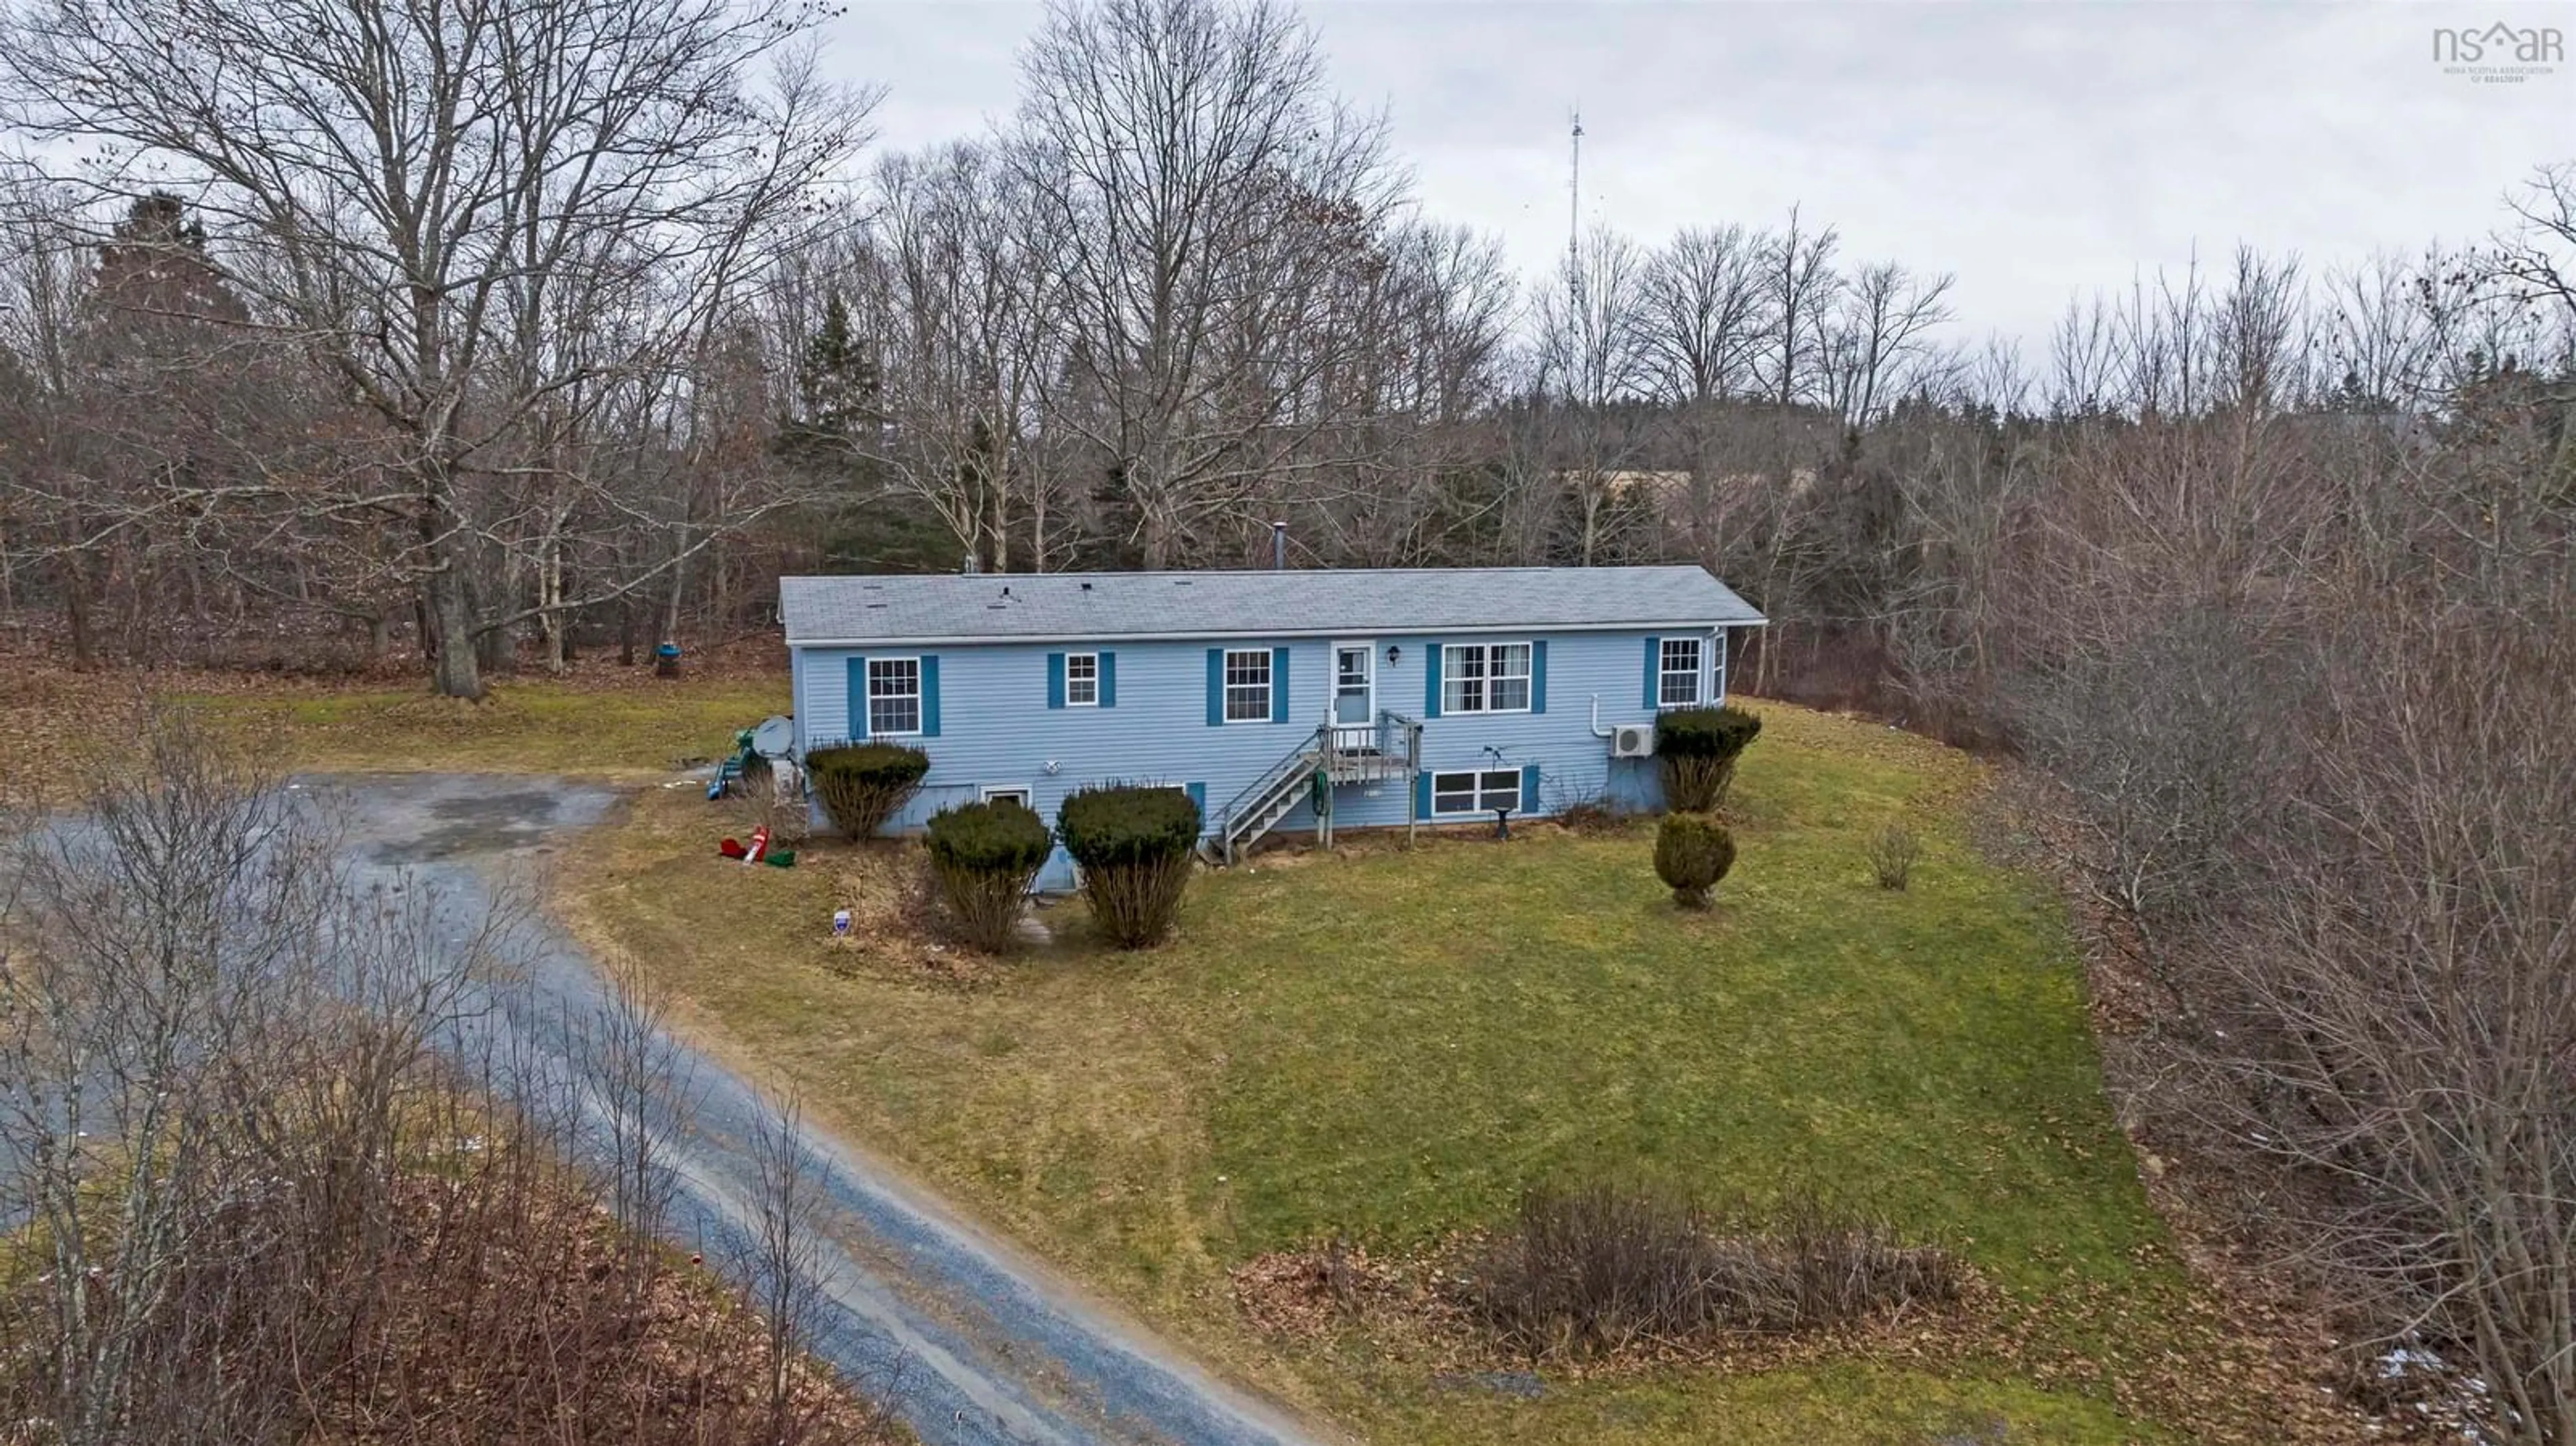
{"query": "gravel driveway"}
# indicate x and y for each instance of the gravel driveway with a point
(970, 1340)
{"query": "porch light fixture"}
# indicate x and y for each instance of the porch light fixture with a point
(1394, 653)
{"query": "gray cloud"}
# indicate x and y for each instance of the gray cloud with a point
(2035, 149)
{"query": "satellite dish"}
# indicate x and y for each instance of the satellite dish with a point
(774, 738)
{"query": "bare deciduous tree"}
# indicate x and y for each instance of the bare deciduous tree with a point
(783, 1260)
(2404, 1002)
(1798, 283)
(1593, 358)
(1207, 198)
(210, 1037)
(481, 220)
(1700, 311)
(960, 299)
(1875, 336)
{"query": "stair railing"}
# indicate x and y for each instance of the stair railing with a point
(1400, 737)
(1278, 774)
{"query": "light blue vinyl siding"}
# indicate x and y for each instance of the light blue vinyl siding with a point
(996, 727)
(796, 693)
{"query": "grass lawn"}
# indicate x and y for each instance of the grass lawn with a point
(523, 727)
(1391, 1046)
(604, 720)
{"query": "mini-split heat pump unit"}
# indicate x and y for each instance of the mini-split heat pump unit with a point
(1633, 740)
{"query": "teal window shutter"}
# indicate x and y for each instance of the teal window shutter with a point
(1432, 653)
(857, 727)
(1216, 687)
(930, 695)
(1108, 680)
(1198, 799)
(1055, 680)
(1654, 672)
(1422, 795)
(1529, 788)
(1538, 676)
(1278, 685)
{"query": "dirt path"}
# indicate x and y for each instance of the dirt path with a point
(969, 1339)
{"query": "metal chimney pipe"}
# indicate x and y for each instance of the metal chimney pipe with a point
(1279, 547)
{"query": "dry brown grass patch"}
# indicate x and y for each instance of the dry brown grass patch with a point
(1420, 1307)
(895, 925)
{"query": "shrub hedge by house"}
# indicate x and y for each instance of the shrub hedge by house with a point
(861, 785)
(1697, 748)
(1134, 845)
(985, 856)
(1692, 852)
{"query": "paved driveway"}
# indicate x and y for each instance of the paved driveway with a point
(971, 1341)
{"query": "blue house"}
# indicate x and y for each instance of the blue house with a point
(1283, 699)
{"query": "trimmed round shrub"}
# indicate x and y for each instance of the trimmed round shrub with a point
(861, 785)
(1134, 846)
(1696, 749)
(985, 856)
(1692, 852)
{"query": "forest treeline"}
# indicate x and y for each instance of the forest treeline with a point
(487, 332)
(331, 367)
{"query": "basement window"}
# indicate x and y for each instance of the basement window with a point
(1464, 793)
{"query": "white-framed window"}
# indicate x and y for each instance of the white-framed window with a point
(1247, 685)
(1001, 793)
(894, 696)
(1677, 673)
(1082, 680)
(1476, 792)
(1485, 678)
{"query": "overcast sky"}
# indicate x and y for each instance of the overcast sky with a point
(2035, 149)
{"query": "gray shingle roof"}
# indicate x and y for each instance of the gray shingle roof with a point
(998, 607)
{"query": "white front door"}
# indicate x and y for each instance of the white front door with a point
(1354, 697)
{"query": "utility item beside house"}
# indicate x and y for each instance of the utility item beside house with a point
(1278, 699)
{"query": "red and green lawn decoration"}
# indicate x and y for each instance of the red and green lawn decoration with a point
(758, 850)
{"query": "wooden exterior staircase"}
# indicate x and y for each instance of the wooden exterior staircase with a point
(1339, 753)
